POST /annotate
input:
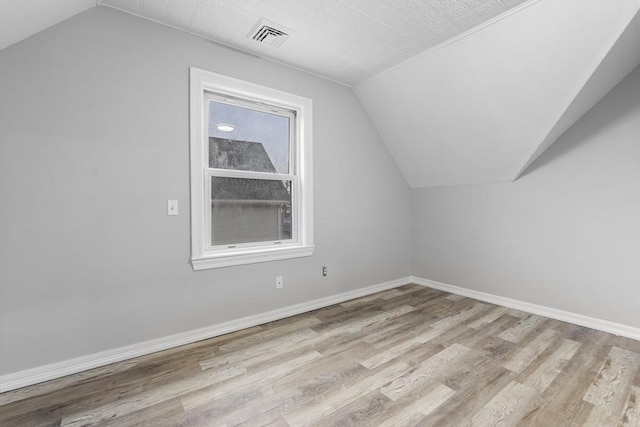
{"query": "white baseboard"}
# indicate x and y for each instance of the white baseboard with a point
(72, 366)
(60, 369)
(553, 313)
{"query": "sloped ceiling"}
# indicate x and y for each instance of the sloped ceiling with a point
(483, 108)
(343, 40)
(623, 57)
(20, 19)
(461, 91)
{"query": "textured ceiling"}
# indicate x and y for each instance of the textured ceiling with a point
(344, 40)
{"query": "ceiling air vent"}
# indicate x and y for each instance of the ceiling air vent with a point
(269, 33)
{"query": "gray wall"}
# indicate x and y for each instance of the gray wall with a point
(94, 121)
(566, 235)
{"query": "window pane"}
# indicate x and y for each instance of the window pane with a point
(249, 140)
(249, 210)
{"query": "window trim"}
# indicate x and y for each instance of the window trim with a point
(202, 257)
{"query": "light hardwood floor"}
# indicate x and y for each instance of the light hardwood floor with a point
(403, 357)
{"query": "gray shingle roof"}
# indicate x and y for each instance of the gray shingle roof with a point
(243, 155)
(239, 155)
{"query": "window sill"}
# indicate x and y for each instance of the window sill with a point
(249, 257)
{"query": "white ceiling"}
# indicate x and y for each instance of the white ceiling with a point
(461, 91)
(344, 40)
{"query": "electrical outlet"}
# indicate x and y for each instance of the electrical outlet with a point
(279, 283)
(324, 271)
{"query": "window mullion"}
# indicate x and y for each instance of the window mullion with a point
(229, 173)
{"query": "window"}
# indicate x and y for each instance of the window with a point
(251, 177)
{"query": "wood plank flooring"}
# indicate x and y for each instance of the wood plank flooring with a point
(410, 356)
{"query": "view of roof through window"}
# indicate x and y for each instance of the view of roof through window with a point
(270, 130)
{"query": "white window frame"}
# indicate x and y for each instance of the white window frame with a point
(203, 255)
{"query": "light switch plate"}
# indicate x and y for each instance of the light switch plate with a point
(172, 207)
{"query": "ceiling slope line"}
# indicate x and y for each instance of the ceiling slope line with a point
(474, 113)
(20, 20)
(564, 123)
(450, 41)
(224, 45)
